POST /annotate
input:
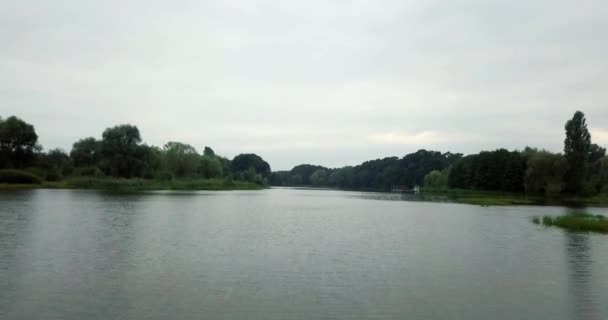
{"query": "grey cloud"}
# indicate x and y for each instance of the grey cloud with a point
(328, 82)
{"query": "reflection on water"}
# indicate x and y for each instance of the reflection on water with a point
(580, 261)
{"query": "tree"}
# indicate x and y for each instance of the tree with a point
(210, 167)
(545, 173)
(17, 143)
(319, 178)
(122, 155)
(208, 152)
(180, 159)
(596, 153)
(86, 152)
(437, 179)
(242, 164)
(576, 148)
(55, 164)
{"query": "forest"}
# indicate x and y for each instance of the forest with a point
(120, 153)
(582, 169)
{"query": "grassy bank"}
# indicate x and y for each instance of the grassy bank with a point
(482, 198)
(580, 222)
(489, 198)
(132, 185)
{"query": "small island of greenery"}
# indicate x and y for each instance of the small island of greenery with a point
(580, 222)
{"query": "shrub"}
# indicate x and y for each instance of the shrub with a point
(88, 172)
(53, 175)
(164, 175)
(19, 177)
(37, 171)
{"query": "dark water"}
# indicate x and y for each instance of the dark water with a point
(290, 254)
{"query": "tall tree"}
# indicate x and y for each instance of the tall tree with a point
(209, 152)
(249, 163)
(17, 142)
(180, 158)
(576, 148)
(122, 156)
(85, 152)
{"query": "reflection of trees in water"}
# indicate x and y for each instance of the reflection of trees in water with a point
(580, 285)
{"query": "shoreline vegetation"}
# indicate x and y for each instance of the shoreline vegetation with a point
(137, 184)
(490, 198)
(578, 222)
(120, 160)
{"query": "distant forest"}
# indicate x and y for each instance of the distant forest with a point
(582, 169)
(120, 153)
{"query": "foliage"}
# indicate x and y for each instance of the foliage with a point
(545, 173)
(378, 174)
(180, 159)
(86, 152)
(437, 179)
(136, 184)
(499, 170)
(210, 167)
(121, 153)
(12, 176)
(208, 152)
(17, 143)
(250, 167)
(577, 146)
(90, 171)
(579, 222)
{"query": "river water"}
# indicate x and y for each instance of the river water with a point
(290, 254)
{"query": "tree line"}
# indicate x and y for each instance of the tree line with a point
(380, 174)
(120, 153)
(581, 169)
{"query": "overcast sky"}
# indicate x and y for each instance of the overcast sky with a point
(318, 81)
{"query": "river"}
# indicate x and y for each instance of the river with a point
(290, 254)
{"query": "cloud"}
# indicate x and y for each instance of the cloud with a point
(419, 139)
(332, 83)
(599, 136)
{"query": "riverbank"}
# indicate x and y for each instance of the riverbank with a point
(134, 185)
(489, 198)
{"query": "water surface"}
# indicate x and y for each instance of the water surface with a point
(290, 254)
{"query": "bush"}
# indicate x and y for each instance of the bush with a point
(19, 177)
(88, 172)
(53, 175)
(163, 175)
(37, 171)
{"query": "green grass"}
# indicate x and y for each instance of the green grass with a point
(492, 198)
(580, 222)
(482, 198)
(18, 177)
(134, 185)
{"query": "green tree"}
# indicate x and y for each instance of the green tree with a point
(86, 152)
(545, 173)
(319, 178)
(596, 153)
(180, 159)
(210, 167)
(576, 148)
(17, 143)
(244, 165)
(208, 152)
(121, 153)
(437, 179)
